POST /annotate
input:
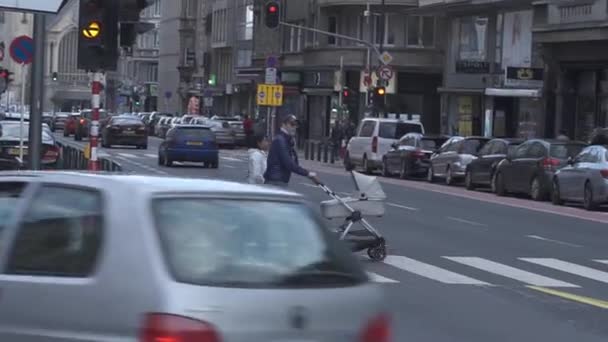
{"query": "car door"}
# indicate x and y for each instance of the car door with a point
(392, 157)
(588, 170)
(509, 166)
(526, 168)
(479, 168)
(569, 175)
(449, 155)
(405, 149)
(46, 275)
(362, 143)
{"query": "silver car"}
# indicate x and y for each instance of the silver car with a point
(585, 179)
(95, 257)
(450, 162)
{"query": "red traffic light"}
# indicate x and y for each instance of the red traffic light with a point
(345, 93)
(3, 73)
(272, 9)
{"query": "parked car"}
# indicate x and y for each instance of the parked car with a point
(141, 258)
(236, 124)
(223, 132)
(584, 179)
(70, 124)
(530, 168)
(410, 156)
(189, 143)
(154, 119)
(83, 125)
(125, 130)
(374, 139)
(452, 159)
(481, 171)
(58, 121)
(10, 145)
(162, 126)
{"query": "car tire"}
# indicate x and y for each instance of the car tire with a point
(556, 197)
(499, 184)
(468, 181)
(449, 177)
(404, 171)
(536, 190)
(589, 200)
(430, 175)
(385, 170)
(215, 164)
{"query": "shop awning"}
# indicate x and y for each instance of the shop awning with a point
(508, 92)
(460, 90)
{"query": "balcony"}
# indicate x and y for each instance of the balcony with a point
(565, 21)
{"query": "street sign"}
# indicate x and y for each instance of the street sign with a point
(386, 58)
(385, 73)
(270, 95)
(367, 78)
(272, 61)
(270, 76)
(168, 94)
(92, 30)
(22, 50)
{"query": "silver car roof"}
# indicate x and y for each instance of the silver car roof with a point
(150, 184)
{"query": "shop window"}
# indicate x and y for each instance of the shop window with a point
(332, 26)
(420, 31)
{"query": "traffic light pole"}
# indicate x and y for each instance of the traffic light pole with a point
(94, 134)
(37, 93)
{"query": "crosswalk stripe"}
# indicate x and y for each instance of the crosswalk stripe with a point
(127, 155)
(510, 272)
(429, 271)
(568, 267)
(601, 261)
(231, 159)
(380, 279)
(150, 155)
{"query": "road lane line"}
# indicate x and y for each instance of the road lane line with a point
(472, 223)
(603, 261)
(232, 159)
(510, 272)
(568, 267)
(536, 237)
(150, 155)
(127, 155)
(431, 272)
(380, 279)
(229, 166)
(401, 206)
(573, 297)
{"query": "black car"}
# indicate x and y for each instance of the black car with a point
(125, 130)
(10, 147)
(480, 171)
(529, 169)
(410, 155)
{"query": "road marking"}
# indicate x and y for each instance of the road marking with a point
(472, 223)
(601, 261)
(229, 166)
(570, 296)
(510, 272)
(150, 155)
(429, 271)
(232, 159)
(401, 206)
(582, 271)
(536, 237)
(127, 155)
(380, 279)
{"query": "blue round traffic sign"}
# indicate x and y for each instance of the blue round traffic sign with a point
(22, 50)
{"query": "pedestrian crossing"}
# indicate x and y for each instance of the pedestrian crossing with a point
(478, 271)
(155, 156)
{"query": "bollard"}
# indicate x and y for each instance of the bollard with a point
(319, 151)
(311, 146)
(332, 154)
(325, 151)
(306, 150)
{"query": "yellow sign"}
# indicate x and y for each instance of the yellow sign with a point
(270, 95)
(92, 30)
(87, 151)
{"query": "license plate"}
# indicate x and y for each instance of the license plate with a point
(128, 132)
(16, 151)
(194, 143)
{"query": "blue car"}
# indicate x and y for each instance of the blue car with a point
(189, 143)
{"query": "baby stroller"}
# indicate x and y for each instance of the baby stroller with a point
(367, 200)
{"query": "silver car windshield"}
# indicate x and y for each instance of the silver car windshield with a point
(229, 243)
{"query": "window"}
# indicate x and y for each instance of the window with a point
(487, 149)
(521, 151)
(473, 38)
(156, 39)
(563, 151)
(454, 147)
(420, 31)
(537, 150)
(60, 235)
(385, 33)
(499, 148)
(231, 243)
(157, 7)
(332, 26)
(292, 39)
(244, 58)
(499, 37)
(407, 141)
(472, 146)
(367, 129)
(432, 143)
(10, 193)
(246, 25)
(395, 130)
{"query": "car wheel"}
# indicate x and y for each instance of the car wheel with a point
(404, 172)
(499, 185)
(468, 181)
(215, 164)
(449, 178)
(556, 197)
(385, 171)
(589, 201)
(430, 175)
(536, 190)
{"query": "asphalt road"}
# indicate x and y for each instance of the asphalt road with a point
(463, 266)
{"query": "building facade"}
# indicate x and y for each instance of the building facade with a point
(13, 25)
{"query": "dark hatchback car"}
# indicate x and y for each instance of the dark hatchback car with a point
(10, 147)
(480, 171)
(125, 130)
(410, 155)
(530, 168)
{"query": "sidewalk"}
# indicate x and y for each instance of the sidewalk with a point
(338, 163)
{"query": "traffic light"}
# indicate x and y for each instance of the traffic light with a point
(378, 98)
(98, 34)
(136, 99)
(345, 93)
(54, 76)
(4, 76)
(272, 14)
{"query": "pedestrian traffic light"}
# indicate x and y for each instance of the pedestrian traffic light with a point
(98, 35)
(136, 99)
(345, 92)
(4, 76)
(272, 15)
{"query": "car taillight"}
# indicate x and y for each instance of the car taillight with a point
(604, 173)
(550, 163)
(375, 145)
(51, 154)
(82, 121)
(377, 330)
(172, 328)
(418, 154)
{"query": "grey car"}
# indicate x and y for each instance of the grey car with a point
(452, 159)
(107, 257)
(584, 179)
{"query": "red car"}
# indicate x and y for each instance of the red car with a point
(83, 125)
(69, 127)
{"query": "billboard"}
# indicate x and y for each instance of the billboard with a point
(49, 6)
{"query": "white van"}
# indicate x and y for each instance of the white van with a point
(374, 139)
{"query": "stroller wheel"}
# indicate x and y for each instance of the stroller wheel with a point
(377, 253)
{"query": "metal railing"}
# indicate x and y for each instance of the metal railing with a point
(74, 159)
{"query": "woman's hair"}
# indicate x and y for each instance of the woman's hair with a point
(256, 140)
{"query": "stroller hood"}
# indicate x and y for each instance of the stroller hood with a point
(368, 186)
